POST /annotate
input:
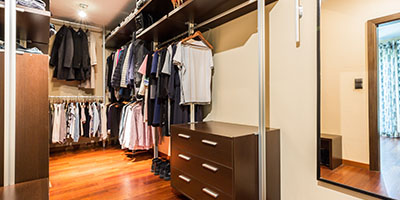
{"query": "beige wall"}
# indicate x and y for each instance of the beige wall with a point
(343, 38)
(235, 80)
(66, 88)
(293, 94)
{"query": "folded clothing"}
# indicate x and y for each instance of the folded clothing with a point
(37, 4)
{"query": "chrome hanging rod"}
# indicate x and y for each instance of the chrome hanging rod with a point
(90, 27)
(70, 97)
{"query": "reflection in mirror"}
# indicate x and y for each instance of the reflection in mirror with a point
(359, 136)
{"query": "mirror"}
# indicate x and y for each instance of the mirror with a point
(359, 95)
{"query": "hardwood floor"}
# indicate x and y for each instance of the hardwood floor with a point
(105, 174)
(385, 183)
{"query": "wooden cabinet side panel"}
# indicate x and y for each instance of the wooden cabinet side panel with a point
(245, 158)
(273, 165)
(2, 119)
(32, 146)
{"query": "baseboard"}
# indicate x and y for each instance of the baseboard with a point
(356, 164)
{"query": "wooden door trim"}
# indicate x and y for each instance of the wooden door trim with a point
(374, 141)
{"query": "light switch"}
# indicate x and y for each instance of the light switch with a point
(358, 83)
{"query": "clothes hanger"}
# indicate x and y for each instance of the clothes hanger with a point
(199, 35)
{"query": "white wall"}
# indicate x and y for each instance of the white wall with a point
(343, 44)
(235, 80)
(293, 94)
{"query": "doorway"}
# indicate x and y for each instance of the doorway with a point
(382, 86)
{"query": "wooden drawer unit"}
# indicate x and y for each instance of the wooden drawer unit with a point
(206, 171)
(212, 147)
(193, 188)
(223, 159)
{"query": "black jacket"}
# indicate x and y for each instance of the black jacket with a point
(139, 53)
(62, 54)
(70, 55)
(81, 61)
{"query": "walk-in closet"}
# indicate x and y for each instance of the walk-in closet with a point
(136, 99)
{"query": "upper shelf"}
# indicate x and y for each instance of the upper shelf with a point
(32, 24)
(123, 33)
(207, 13)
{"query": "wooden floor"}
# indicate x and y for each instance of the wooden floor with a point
(385, 183)
(105, 174)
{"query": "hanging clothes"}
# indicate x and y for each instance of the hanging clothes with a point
(136, 134)
(194, 62)
(86, 125)
(116, 76)
(96, 120)
(62, 54)
(113, 118)
(83, 118)
(56, 135)
(139, 53)
(70, 55)
(74, 122)
(90, 83)
(125, 66)
(103, 120)
(152, 89)
(77, 125)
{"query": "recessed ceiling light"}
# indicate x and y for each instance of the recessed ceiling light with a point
(82, 14)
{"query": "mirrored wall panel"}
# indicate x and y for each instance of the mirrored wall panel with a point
(359, 96)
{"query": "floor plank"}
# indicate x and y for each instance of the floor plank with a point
(105, 174)
(385, 183)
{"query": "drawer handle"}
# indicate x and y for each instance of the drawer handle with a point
(209, 142)
(211, 193)
(184, 157)
(186, 179)
(209, 167)
(184, 136)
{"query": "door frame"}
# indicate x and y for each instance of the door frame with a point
(372, 46)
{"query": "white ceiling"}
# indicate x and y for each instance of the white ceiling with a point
(389, 31)
(108, 13)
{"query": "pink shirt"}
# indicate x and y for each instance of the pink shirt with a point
(142, 68)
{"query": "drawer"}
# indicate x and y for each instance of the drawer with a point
(203, 170)
(193, 188)
(211, 147)
(182, 138)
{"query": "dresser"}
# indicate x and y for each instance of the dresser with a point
(215, 160)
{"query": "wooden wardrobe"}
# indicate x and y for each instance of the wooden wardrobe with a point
(32, 118)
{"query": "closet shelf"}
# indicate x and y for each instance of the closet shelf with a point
(32, 24)
(123, 33)
(207, 13)
(23, 9)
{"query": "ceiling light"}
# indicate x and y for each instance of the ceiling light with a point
(82, 14)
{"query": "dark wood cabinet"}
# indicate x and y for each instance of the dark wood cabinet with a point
(331, 150)
(32, 118)
(214, 160)
(32, 113)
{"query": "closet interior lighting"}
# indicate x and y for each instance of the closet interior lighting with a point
(82, 14)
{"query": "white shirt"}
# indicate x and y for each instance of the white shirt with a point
(195, 67)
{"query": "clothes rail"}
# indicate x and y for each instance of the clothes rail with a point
(90, 27)
(86, 97)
